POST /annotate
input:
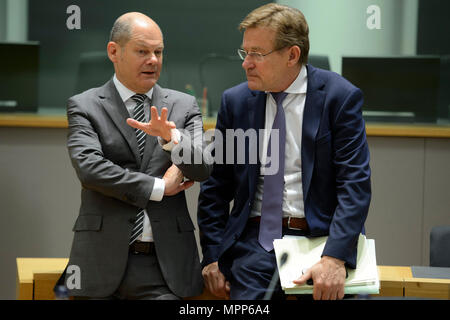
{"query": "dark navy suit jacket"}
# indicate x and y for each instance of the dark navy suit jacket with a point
(335, 168)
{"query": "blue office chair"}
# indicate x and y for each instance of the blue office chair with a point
(440, 247)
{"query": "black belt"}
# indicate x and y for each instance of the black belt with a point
(290, 223)
(139, 247)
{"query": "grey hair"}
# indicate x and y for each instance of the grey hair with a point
(121, 31)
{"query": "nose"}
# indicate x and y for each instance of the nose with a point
(247, 63)
(152, 59)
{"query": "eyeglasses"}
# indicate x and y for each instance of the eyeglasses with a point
(257, 56)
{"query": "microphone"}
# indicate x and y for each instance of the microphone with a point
(270, 290)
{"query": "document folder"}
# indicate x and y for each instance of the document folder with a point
(304, 252)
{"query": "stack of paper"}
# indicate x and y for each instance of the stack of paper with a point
(304, 252)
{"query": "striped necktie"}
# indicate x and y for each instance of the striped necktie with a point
(139, 115)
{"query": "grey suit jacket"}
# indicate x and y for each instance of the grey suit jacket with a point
(116, 183)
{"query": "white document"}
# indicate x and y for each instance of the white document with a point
(304, 252)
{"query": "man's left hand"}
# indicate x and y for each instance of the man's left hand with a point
(157, 126)
(173, 180)
(328, 276)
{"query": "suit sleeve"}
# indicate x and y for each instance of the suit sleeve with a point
(189, 154)
(215, 196)
(351, 162)
(96, 172)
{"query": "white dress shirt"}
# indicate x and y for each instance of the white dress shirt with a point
(159, 185)
(293, 105)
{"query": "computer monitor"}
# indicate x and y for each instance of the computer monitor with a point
(396, 88)
(19, 72)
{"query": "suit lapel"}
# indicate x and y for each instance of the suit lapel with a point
(114, 106)
(256, 118)
(159, 100)
(315, 98)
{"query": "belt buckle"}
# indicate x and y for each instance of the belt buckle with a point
(289, 225)
(137, 248)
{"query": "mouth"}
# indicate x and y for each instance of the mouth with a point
(149, 73)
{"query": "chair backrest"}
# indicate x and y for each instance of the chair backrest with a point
(440, 247)
(318, 61)
(94, 70)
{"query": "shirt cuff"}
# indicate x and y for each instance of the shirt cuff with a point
(169, 145)
(158, 190)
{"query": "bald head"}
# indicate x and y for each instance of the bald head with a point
(122, 29)
(136, 50)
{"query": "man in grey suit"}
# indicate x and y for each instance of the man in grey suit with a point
(133, 238)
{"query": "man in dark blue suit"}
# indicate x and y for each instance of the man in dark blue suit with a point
(324, 161)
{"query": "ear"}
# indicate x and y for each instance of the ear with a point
(113, 51)
(294, 55)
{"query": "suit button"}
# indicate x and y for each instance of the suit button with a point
(236, 236)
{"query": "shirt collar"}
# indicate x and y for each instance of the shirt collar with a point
(300, 83)
(126, 93)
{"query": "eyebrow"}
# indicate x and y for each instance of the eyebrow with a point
(143, 44)
(254, 48)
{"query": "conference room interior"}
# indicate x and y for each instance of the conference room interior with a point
(396, 51)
